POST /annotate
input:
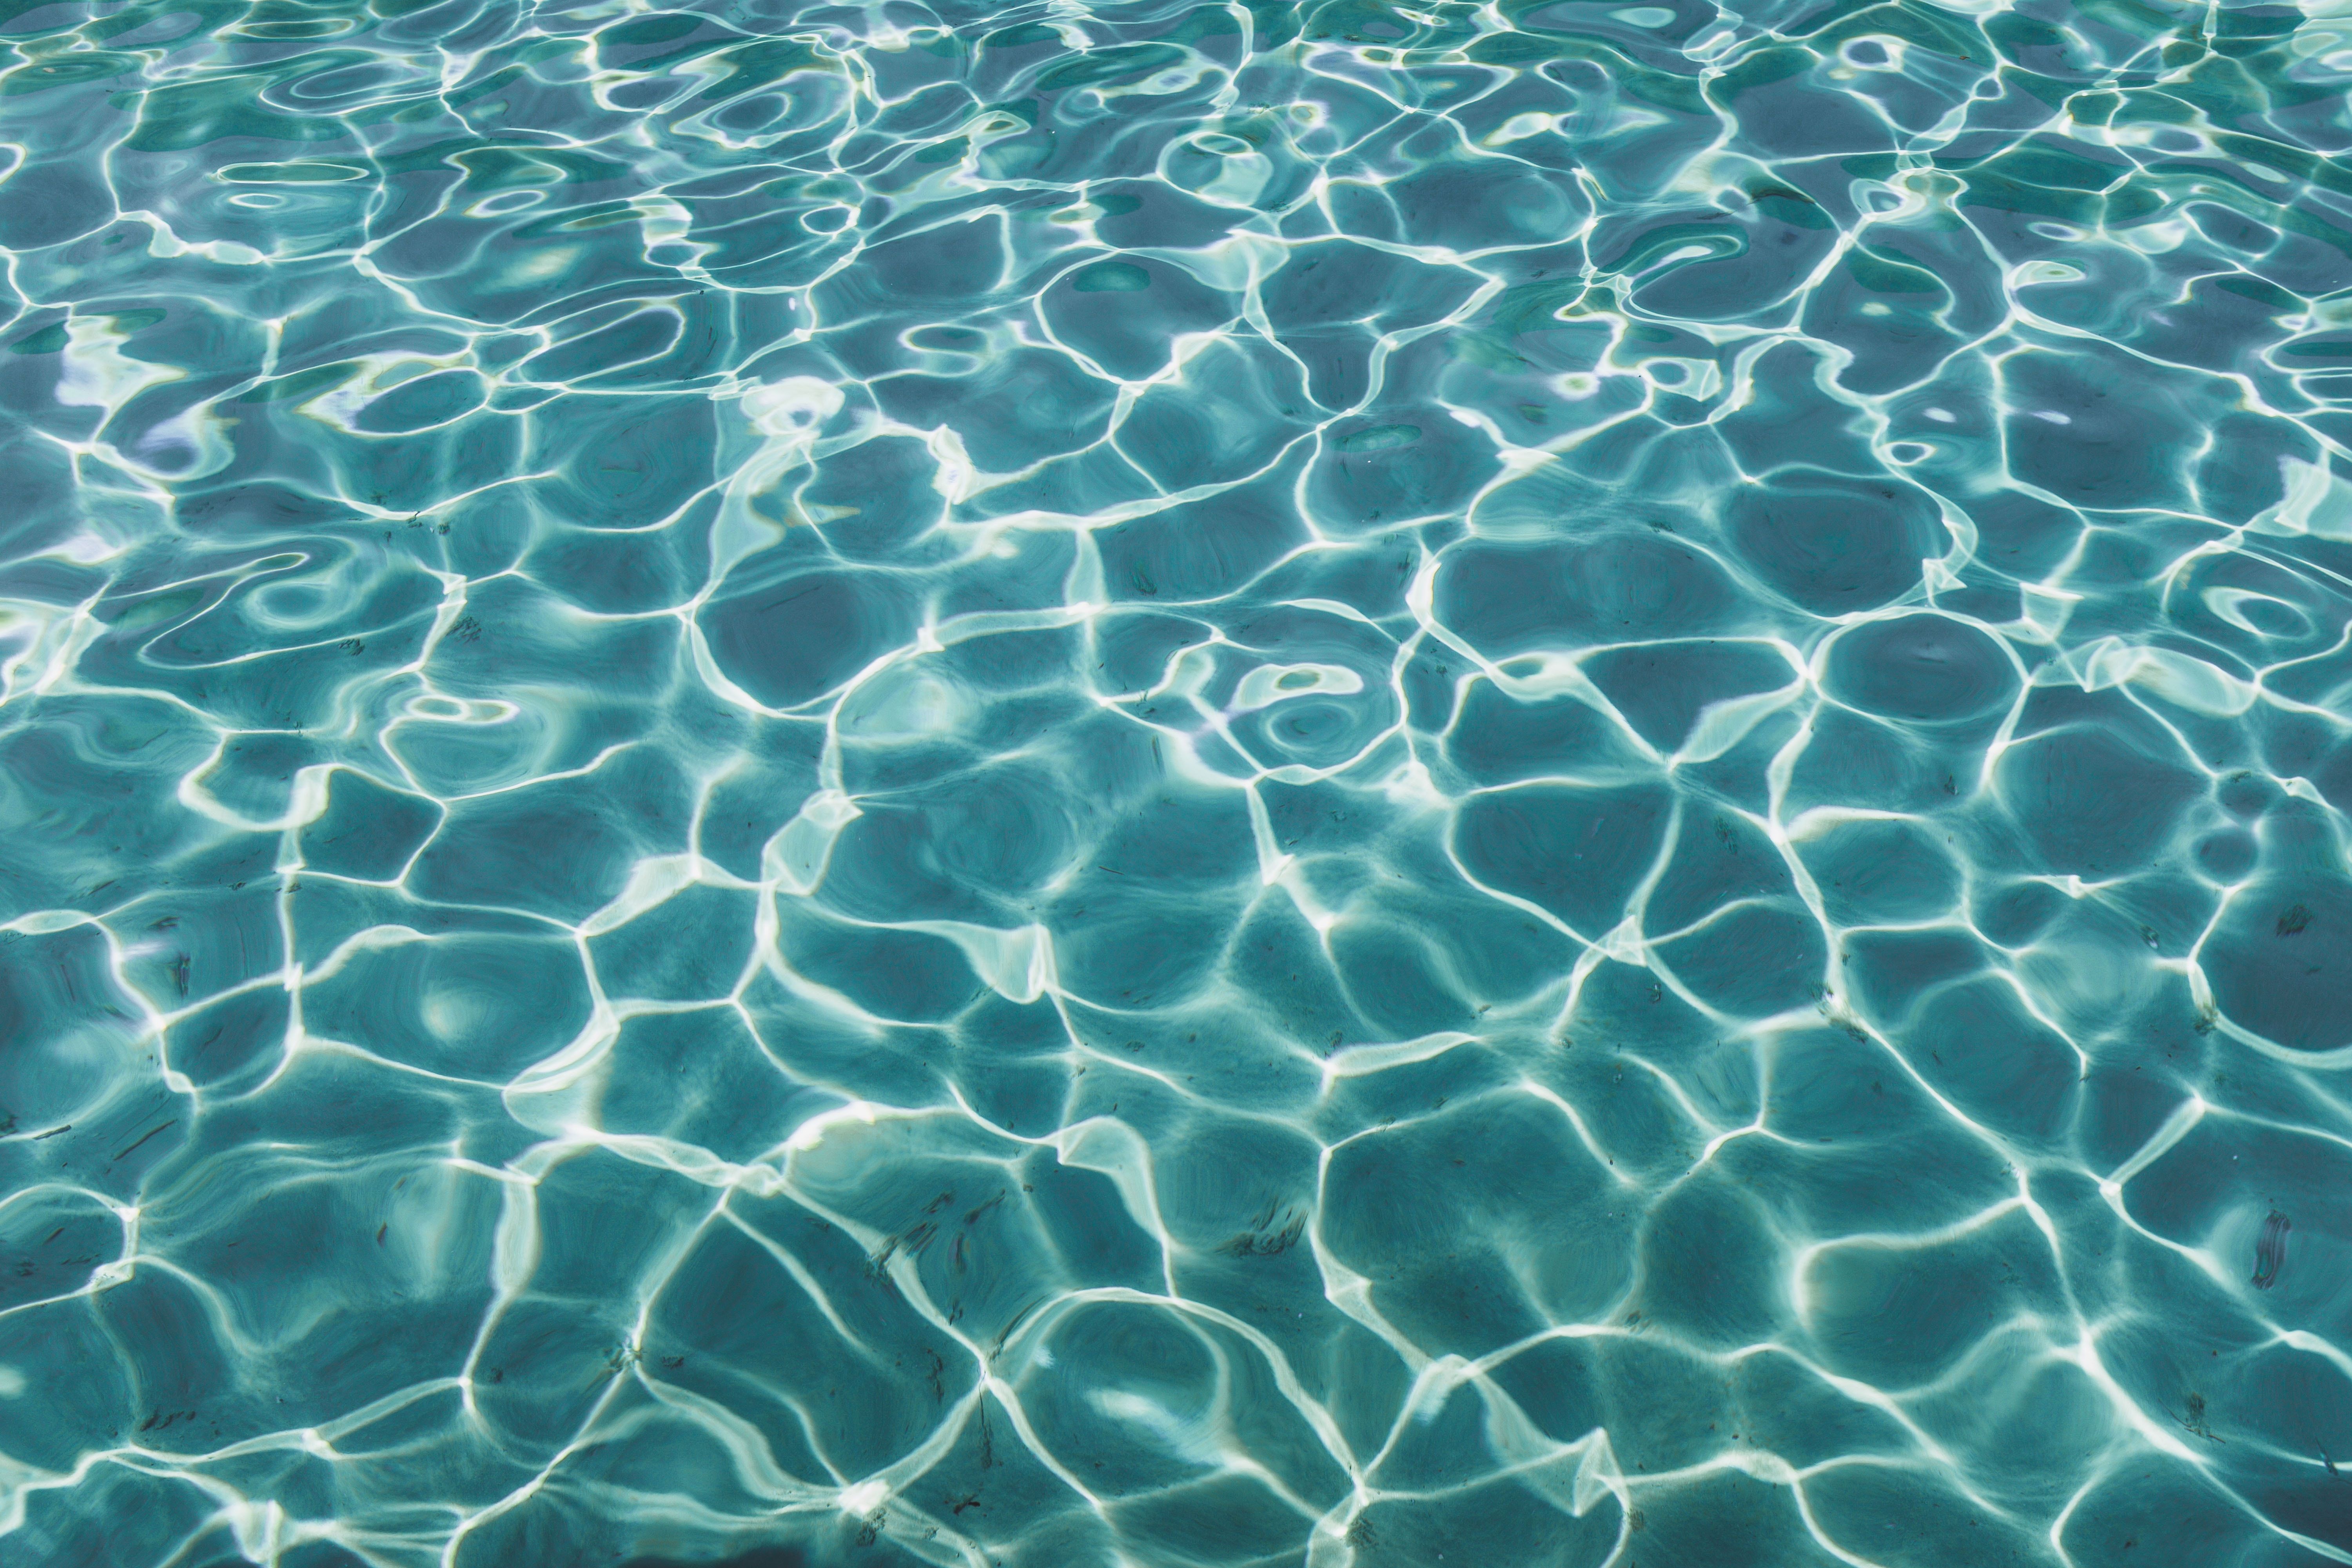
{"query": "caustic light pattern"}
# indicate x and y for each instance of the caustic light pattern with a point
(1166, 784)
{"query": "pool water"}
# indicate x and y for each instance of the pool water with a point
(1176, 784)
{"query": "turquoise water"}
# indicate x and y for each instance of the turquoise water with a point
(1176, 785)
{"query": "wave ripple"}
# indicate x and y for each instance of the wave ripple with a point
(1153, 783)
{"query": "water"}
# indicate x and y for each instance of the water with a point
(1176, 785)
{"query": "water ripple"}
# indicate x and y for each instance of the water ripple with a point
(1175, 784)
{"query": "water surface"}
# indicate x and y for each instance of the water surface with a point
(1164, 783)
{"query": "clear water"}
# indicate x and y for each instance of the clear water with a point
(1176, 784)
